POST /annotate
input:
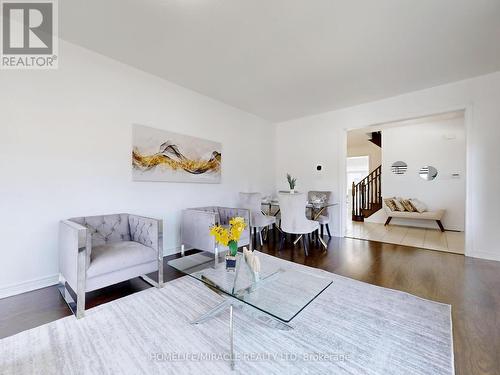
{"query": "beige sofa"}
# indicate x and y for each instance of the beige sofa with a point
(436, 215)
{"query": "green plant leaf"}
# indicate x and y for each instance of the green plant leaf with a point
(292, 181)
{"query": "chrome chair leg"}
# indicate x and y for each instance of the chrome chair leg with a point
(298, 239)
(160, 274)
(66, 295)
(77, 306)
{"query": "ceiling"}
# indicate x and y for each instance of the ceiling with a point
(360, 137)
(283, 59)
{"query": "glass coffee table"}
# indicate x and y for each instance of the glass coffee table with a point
(274, 296)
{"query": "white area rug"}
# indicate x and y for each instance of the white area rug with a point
(351, 328)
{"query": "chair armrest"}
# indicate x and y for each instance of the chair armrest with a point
(75, 245)
(147, 231)
(195, 226)
(227, 213)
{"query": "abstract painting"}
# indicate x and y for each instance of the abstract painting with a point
(160, 155)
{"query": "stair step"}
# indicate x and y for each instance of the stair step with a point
(374, 208)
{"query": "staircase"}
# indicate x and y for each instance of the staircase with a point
(376, 138)
(367, 195)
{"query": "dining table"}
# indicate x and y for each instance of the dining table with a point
(315, 210)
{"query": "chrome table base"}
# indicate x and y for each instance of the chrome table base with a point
(230, 302)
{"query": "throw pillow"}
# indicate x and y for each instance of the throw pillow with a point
(407, 205)
(389, 202)
(419, 206)
(399, 205)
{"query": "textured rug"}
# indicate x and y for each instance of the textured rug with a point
(351, 328)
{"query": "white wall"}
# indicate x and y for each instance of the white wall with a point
(65, 151)
(324, 138)
(422, 145)
(367, 149)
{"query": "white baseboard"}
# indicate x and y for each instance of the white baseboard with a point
(484, 255)
(27, 286)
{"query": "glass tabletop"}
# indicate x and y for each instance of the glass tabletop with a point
(279, 290)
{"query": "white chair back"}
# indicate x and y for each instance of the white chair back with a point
(253, 202)
(293, 213)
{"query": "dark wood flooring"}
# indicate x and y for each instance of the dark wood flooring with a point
(471, 286)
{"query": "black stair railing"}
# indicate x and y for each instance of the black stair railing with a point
(367, 194)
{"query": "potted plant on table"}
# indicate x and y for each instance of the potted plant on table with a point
(292, 181)
(229, 237)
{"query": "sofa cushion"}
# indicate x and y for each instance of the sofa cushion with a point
(407, 205)
(389, 202)
(118, 255)
(399, 205)
(419, 205)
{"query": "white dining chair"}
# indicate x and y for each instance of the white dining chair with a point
(258, 221)
(294, 220)
(324, 218)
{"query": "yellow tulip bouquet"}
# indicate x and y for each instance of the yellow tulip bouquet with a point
(229, 237)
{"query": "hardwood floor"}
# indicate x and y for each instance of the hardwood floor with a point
(471, 286)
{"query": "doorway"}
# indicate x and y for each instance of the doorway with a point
(417, 146)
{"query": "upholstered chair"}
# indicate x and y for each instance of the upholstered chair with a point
(324, 218)
(196, 224)
(97, 251)
(293, 217)
(258, 221)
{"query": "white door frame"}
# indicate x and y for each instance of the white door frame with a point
(469, 198)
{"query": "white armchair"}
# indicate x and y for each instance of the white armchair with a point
(98, 251)
(293, 217)
(196, 224)
(258, 221)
